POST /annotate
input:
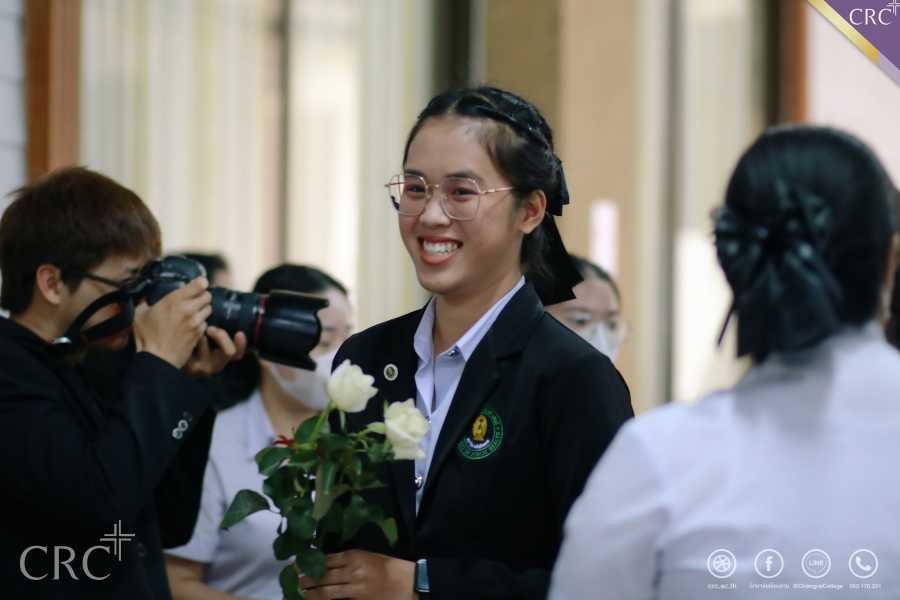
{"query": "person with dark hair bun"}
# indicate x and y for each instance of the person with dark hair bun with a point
(520, 407)
(238, 563)
(790, 474)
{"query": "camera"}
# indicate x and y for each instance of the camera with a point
(282, 326)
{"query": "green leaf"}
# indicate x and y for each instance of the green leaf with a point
(325, 477)
(333, 522)
(307, 466)
(306, 429)
(356, 468)
(343, 420)
(334, 443)
(301, 525)
(245, 503)
(356, 514)
(290, 583)
(379, 453)
(279, 487)
(284, 546)
(311, 562)
(269, 459)
(377, 427)
(389, 527)
(373, 484)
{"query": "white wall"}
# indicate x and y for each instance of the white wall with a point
(12, 97)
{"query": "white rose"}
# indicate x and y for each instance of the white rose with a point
(349, 388)
(405, 427)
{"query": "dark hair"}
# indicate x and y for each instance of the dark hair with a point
(297, 278)
(803, 237)
(74, 219)
(892, 328)
(242, 377)
(589, 269)
(212, 263)
(520, 143)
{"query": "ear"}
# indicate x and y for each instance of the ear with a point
(49, 284)
(532, 211)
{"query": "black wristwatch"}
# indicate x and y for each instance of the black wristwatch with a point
(420, 583)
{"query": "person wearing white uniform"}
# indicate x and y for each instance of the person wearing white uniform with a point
(596, 311)
(239, 563)
(786, 483)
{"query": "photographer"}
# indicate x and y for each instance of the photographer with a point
(93, 490)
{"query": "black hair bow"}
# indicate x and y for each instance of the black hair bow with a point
(785, 295)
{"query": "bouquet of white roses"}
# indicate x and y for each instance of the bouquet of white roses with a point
(307, 474)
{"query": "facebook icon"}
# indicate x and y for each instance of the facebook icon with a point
(768, 564)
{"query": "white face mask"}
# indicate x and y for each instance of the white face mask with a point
(305, 386)
(600, 336)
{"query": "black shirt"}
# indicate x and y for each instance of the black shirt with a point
(76, 469)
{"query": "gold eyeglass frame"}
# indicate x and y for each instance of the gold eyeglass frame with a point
(430, 188)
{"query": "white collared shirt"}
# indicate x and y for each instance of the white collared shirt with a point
(437, 377)
(790, 477)
(240, 561)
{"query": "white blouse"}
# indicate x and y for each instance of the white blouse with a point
(787, 484)
(239, 561)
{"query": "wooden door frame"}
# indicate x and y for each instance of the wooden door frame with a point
(52, 61)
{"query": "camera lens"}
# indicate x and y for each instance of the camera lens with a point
(282, 326)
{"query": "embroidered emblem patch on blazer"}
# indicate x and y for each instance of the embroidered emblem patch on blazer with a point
(484, 437)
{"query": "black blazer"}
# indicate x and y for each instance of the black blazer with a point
(491, 517)
(73, 466)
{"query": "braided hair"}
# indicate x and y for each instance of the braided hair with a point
(520, 143)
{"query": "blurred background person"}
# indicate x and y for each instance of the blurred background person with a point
(595, 312)
(217, 270)
(238, 563)
(800, 454)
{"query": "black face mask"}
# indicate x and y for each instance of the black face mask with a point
(76, 339)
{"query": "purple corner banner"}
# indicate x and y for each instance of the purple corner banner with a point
(876, 20)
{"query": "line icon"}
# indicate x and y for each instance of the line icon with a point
(816, 563)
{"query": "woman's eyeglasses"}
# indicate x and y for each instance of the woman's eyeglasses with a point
(459, 197)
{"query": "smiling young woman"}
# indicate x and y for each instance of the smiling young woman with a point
(520, 407)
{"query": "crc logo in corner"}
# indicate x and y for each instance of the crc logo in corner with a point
(62, 557)
(875, 16)
(873, 26)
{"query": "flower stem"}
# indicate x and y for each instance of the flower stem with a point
(322, 416)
